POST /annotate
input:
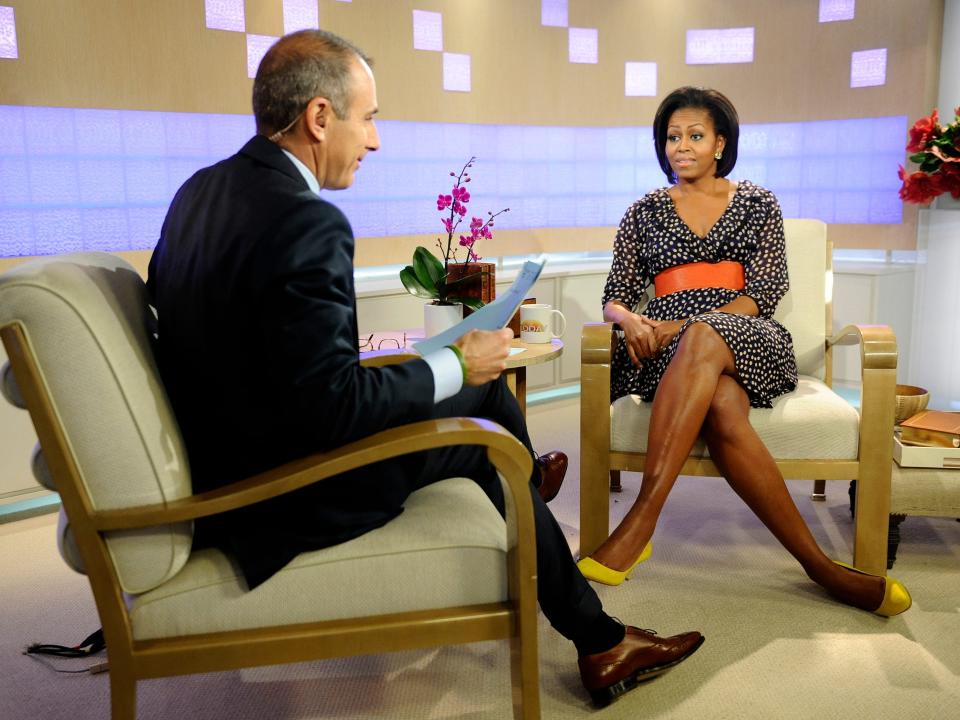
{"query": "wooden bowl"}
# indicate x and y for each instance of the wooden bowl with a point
(910, 400)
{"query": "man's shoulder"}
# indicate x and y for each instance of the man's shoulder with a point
(260, 178)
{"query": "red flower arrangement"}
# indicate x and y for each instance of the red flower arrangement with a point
(935, 149)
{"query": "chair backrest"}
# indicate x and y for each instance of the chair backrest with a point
(88, 327)
(804, 309)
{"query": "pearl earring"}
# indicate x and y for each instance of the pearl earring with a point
(718, 154)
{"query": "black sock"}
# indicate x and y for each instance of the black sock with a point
(536, 476)
(602, 634)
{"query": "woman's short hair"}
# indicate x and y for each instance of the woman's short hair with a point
(296, 69)
(722, 112)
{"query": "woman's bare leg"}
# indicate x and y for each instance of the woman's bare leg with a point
(683, 398)
(753, 474)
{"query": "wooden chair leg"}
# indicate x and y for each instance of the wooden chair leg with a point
(525, 677)
(615, 485)
(819, 490)
(123, 694)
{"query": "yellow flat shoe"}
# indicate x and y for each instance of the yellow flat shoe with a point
(598, 572)
(896, 597)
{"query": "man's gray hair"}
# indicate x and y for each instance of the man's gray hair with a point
(297, 68)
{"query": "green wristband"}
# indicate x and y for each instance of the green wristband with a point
(463, 364)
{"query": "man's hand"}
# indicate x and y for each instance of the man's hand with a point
(485, 354)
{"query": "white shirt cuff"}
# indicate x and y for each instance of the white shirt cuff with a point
(447, 373)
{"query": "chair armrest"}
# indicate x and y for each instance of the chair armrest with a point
(878, 376)
(597, 342)
(505, 451)
(878, 344)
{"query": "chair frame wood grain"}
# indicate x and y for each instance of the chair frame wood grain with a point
(131, 660)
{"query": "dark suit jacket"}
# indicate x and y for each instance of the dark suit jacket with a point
(252, 279)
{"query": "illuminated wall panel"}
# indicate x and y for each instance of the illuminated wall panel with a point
(456, 72)
(300, 15)
(427, 30)
(8, 33)
(868, 68)
(583, 45)
(835, 10)
(554, 13)
(640, 79)
(257, 46)
(711, 47)
(225, 15)
(102, 179)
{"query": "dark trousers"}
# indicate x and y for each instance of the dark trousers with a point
(268, 535)
(566, 598)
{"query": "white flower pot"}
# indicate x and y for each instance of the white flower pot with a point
(437, 318)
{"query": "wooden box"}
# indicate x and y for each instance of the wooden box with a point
(480, 282)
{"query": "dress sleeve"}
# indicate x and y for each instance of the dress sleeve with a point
(629, 274)
(766, 271)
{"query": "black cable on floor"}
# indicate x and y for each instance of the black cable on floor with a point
(92, 644)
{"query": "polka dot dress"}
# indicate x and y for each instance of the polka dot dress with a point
(652, 238)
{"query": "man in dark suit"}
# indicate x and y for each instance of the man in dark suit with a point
(252, 279)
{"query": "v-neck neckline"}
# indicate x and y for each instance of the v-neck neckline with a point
(730, 201)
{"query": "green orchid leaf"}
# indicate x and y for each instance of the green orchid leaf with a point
(930, 164)
(428, 268)
(413, 285)
(919, 157)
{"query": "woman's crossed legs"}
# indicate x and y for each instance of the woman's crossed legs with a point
(699, 393)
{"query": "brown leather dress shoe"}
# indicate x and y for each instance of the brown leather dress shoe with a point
(641, 655)
(553, 467)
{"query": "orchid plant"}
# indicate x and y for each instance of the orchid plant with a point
(935, 149)
(427, 276)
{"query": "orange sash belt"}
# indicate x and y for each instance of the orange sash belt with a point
(724, 274)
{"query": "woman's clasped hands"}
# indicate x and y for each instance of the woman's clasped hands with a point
(646, 337)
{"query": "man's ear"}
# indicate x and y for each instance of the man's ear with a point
(317, 116)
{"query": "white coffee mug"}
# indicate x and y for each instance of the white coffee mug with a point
(540, 323)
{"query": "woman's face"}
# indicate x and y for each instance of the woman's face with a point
(692, 143)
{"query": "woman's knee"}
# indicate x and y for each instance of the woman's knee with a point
(700, 342)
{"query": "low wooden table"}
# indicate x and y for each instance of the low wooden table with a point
(391, 342)
(517, 364)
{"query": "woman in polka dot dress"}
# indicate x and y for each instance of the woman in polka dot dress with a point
(707, 348)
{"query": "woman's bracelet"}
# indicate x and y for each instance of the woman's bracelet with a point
(463, 364)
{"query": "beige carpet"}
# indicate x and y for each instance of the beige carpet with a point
(777, 647)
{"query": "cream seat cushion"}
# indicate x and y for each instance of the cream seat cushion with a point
(446, 549)
(810, 423)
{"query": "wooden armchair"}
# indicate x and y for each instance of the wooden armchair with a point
(812, 432)
(77, 332)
